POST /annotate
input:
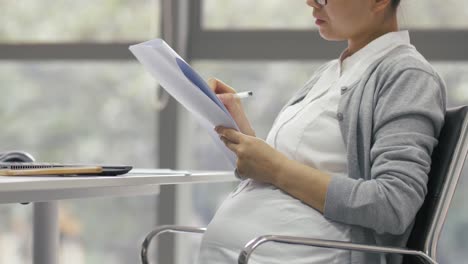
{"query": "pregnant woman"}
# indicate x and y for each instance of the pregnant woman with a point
(347, 158)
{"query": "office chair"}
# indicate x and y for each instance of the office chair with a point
(448, 159)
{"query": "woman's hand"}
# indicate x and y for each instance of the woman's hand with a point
(259, 161)
(255, 158)
(226, 94)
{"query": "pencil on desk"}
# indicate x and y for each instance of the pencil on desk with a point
(52, 171)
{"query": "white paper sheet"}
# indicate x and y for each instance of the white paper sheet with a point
(187, 87)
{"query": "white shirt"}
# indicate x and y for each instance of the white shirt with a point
(308, 132)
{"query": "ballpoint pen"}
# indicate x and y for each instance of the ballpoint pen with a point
(242, 95)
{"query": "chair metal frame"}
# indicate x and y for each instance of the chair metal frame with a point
(453, 175)
(166, 229)
(430, 248)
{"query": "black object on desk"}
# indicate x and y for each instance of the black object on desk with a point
(60, 169)
(16, 156)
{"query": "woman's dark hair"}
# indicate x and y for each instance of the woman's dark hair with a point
(395, 3)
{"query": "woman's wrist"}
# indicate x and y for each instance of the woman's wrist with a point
(278, 171)
(245, 127)
(301, 181)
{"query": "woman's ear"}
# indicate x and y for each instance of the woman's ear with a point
(381, 5)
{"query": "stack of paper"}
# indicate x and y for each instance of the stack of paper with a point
(187, 87)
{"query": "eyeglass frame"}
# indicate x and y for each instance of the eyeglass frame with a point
(321, 2)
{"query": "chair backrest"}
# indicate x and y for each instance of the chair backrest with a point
(447, 164)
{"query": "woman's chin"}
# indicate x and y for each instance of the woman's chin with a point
(327, 35)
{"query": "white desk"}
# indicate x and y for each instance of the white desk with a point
(45, 191)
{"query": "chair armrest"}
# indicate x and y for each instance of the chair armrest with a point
(256, 242)
(166, 229)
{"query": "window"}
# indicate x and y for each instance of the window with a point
(272, 14)
(66, 108)
(78, 21)
(78, 111)
(433, 14)
(453, 240)
(455, 75)
(261, 14)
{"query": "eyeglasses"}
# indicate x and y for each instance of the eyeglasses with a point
(322, 2)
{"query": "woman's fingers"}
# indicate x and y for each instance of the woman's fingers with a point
(230, 134)
(224, 87)
(219, 87)
(227, 99)
(212, 84)
(230, 137)
(230, 145)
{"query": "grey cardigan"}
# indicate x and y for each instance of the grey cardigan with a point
(390, 121)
